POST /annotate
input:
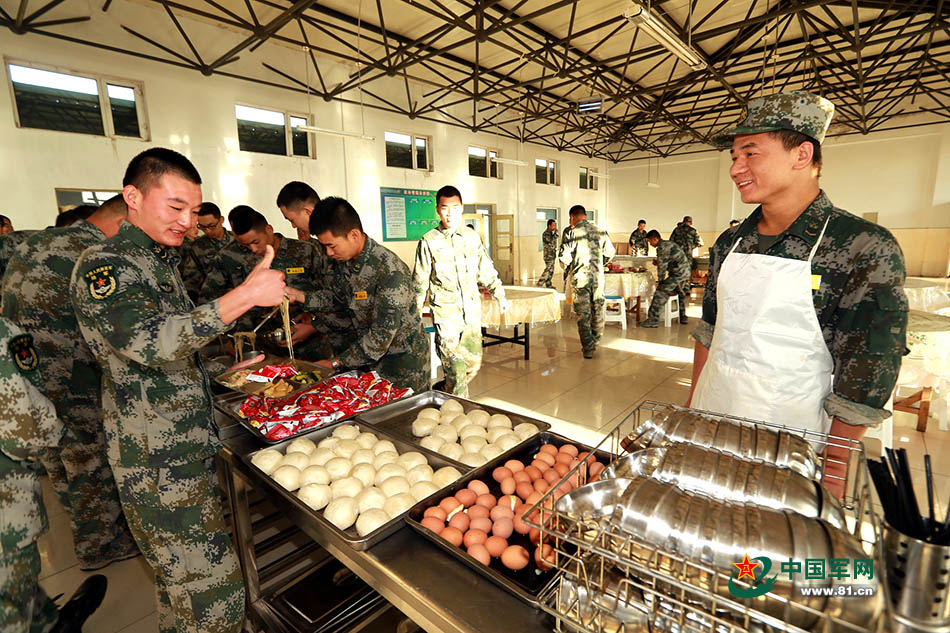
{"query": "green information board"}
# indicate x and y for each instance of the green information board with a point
(408, 214)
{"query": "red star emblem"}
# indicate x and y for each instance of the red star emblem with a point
(101, 282)
(746, 567)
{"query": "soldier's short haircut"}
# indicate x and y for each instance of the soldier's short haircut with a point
(641, 222)
(335, 215)
(577, 209)
(550, 222)
(244, 219)
(4, 220)
(654, 233)
(687, 218)
(114, 207)
(295, 193)
(791, 139)
(145, 170)
(448, 191)
(77, 213)
(210, 208)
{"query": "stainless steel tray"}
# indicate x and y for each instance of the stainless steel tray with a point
(527, 583)
(350, 534)
(396, 417)
(255, 388)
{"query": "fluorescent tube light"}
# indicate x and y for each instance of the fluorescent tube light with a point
(643, 19)
(321, 130)
(590, 106)
(509, 161)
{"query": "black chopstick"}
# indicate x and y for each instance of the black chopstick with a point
(892, 478)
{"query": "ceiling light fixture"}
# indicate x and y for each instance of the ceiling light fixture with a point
(509, 161)
(322, 130)
(590, 106)
(642, 18)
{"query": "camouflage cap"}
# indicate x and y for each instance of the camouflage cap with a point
(798, 111)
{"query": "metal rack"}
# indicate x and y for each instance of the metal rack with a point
(608, 571)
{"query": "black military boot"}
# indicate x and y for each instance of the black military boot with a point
(81, 605)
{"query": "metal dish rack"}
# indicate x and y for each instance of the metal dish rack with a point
(653, 593)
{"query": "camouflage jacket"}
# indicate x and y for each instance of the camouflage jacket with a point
(145, 333)
(549, 242)
(449, 267)
(197, 259)
(671, 261)
(374, 291)
(585, 250)
(36, 297)
(638, 243)
(298, 260)
(860, 302)
(28, 423)
(8, 244)
(686, 237)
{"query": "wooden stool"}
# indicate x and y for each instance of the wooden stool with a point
(922, 409)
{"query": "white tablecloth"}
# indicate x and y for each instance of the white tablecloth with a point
(926, 295)
(629, 285)
(528, 305)
(928, 364)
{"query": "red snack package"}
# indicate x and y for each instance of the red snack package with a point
(270, 372)
(278, 432)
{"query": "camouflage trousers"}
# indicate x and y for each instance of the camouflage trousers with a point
(589, 308)
(24, 606)
(461, 355)
(83, 481)
(663, 291)
(176, 516)
(545, 280)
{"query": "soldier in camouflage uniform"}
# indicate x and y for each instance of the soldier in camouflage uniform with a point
(451, 262)
(638, 240)
(8, 245)
(145, 333)
(373, 286)
(687, 238)
(585, 251)
(672, 274)
(851, 273)
(549, 242)
(202, 252)
(36, 297)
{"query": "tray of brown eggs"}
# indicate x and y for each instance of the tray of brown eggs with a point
(479, 518)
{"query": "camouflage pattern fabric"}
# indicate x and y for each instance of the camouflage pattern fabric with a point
(8, 245)
(798, 111)
(197, 260)
(585, 251)
(28, 423)
(859, 302)
(673, 274)
(638, 243)
(549, 242)
(450, 265)
(145, 332)
(687, 238)
(385, 332)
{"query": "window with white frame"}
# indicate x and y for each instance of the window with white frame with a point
(272, 132)
(86, 103)
(481, 162)
(588, 178)
(545, 171)
(407, 150)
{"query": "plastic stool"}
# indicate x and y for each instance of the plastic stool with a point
(669, 312)
(621, 315)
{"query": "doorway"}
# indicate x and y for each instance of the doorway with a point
(503, 246)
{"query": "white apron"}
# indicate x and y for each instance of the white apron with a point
(768, 359)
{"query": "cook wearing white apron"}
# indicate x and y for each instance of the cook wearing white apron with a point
(768, 359)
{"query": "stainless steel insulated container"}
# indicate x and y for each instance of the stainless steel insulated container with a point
(919, 578)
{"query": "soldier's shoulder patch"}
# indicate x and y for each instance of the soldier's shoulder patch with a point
(23, 353)
(101, 281)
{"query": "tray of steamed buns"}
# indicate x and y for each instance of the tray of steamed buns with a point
(354, 479)
(479, 518)
(463, 431)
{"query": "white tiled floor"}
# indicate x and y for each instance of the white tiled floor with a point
(644, 364)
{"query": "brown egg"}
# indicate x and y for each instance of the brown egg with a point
(452, 535)
(533, 472)
(524, 490)
(501, 512)
(474, 537)
(522, 477)
(515, 557)
(496, 545)
(534, 535)
(519, 525)
(478, 486)
(544, 556)
(486, 501)
(542, 486)
(508, 485)
(570, 449)
(561, 469)
(548, 448)
(563, 458)
(547, 458)
(509, 501)
(550, 476)
(502, 528)
(481, 523)
(477, 512)
(501, 473)
(449, 504)
(541, 465)
(434, 524)
(591, 459)
(460, 522)
(480, 553)
(514, 465)
(466, 497)
(532, 499)
(595, 469)
(435, 511)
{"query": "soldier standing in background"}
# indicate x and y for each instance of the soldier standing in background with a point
(638, 240)
(371, 284)
(6, 226)
(198, 261)
(672, 274)
(687, 238)
(549, 243)
(36, 297)
(585, 251)
(450, 264)
(145, 333)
